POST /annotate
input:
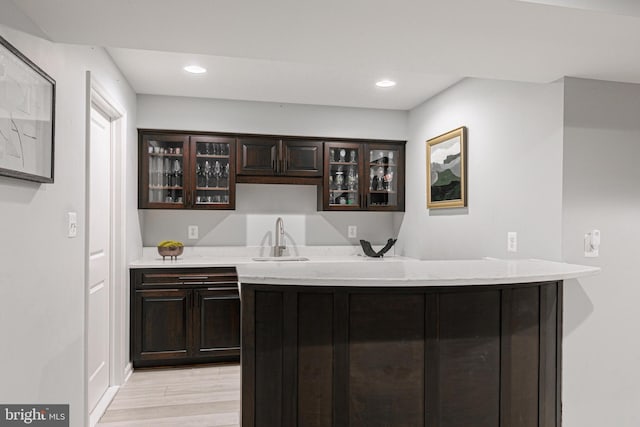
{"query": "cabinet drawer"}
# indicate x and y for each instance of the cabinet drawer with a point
(210, 277)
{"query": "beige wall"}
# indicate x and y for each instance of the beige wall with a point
(42, 293)
(514, 172)
(601, 366)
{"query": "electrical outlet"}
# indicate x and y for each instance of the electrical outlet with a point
(192, 232)
(512, 241)
(352, 231)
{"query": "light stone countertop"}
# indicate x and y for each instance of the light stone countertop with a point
(343, 266)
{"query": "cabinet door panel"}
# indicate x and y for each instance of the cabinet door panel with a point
(257, 156)
(217, 323)
(164, 160)
(384, 172)
(302, 158)
(162, 324)
(213, 172)
(342, 186)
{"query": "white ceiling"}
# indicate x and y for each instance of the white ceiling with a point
(331, 52)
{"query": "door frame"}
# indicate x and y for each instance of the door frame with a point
(98, 97)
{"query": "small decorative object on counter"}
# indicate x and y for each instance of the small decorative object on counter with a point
(368, 250)
(170, 248)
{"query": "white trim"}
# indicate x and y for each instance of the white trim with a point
(102, 405)
(128, 371)
(98, 97)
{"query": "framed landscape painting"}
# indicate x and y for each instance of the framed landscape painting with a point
(446, 170)
(27, 101)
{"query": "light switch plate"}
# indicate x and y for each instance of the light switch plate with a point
(72, 224)
(592, 244)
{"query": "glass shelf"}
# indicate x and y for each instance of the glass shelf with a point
(212, 156)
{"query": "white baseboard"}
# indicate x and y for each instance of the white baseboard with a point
(102, 405)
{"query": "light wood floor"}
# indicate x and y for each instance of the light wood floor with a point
(185, 397)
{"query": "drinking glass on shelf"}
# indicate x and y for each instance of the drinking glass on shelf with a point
(166, 170)
(353, 156)
(343, 155)
(380, 176)
(351, 179)
(332, 155)
(225, 175)
(339, 180)
(207, 173)
(177, 172)
(217, 172)
(388, 179)
(198, 175)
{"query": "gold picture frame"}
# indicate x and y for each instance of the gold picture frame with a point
(446, 170)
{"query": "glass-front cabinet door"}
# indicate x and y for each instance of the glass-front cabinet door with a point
(181, 171)
(213, 173)
(385, 177)
(164, 159)
(343, 181)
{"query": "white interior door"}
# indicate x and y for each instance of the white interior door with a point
(99, 250)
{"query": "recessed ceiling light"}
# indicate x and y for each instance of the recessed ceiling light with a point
(385, 83)
(195, 69)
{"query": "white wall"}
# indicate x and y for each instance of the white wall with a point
(602, 322)
(42, 292)
(259, 205)
(514, 172)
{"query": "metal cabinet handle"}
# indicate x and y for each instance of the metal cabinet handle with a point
(222, 289)
(193, 278)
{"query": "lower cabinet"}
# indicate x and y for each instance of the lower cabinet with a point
(217, 322)
(184, 316)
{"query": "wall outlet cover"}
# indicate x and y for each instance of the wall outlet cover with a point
(512, 241)
(352, 231)
(192, 232)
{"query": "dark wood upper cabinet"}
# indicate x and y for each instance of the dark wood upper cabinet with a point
(301, 158)
(342, 188)
(272, 156)
(258, 156)
(184, 171)
(363, 176)
(384, 172)
(163, 160)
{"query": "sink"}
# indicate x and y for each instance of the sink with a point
(281, 258)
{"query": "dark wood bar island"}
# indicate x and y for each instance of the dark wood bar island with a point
(440, 351)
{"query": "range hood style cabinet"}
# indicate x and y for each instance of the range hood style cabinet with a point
(182, 170)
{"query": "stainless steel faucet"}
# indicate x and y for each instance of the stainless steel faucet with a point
(279, 246)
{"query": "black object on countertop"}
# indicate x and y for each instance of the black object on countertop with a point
(368, 250)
